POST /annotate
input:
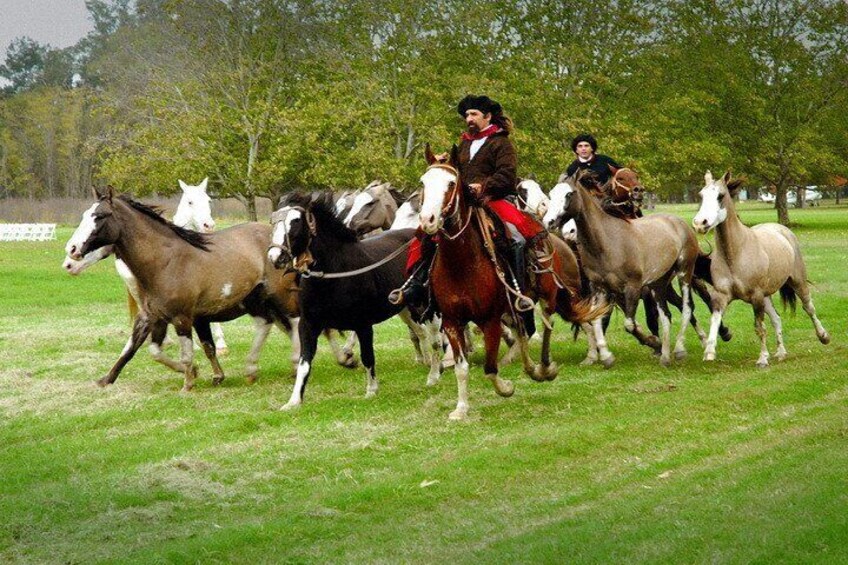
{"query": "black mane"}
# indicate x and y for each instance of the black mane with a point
(323, 207)
(196, 239)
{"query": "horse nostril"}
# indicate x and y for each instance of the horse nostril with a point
(432, 219)
(73, 249)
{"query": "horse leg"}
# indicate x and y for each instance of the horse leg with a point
(141, 329)
(677, 301)
(345, 358)
(262, 328)
(366, 353)
(492, 340)
(204, 334)
(456, 338)
(513, 346)
(803, 292)
(665, 329)
(592, 352)
(777, 324)
(220, 343)
(631, 302)
(701, 289)
(686, 315)
(434, 338)
(294, 336)
(416, 336)
(760, 327)
(159, 330)
(651, 318)
(309, 344)
(604, 354)
(546, 370)
(183, 327)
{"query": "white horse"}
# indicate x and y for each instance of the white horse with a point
(193, 212)
(751, 264)
(533, 200)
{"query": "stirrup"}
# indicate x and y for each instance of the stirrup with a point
(396, 297)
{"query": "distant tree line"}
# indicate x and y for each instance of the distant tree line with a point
(267, 96)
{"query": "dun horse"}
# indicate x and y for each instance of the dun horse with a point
(751, 264)
(468, 283)
(187, 279)
(352, 294)
(621, 257)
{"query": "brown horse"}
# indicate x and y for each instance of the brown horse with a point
(622, 257)
(751, 264)
(187, 279)
(468, 281)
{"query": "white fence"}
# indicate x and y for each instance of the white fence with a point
(27, 232)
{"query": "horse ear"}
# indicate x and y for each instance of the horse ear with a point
(183, 185)
(428, 155)
(454, 156)
(708, 177)
(203, 183)
(97, 194)
(109, 194)
(612, 169)
(726, 178)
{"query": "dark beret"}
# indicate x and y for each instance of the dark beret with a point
(584, 137)
(482, 103)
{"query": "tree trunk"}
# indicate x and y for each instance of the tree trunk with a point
(250, 192)
(780, 202)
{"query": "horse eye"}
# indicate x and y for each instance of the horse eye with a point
(191, 203)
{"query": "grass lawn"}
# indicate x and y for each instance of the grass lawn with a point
(698, 462)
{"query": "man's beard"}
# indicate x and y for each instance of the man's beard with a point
(473, 129)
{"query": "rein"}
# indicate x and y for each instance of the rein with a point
(302, 262)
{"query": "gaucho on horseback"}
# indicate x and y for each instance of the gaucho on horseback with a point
(487, 159)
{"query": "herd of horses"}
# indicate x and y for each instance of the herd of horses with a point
(327, 263)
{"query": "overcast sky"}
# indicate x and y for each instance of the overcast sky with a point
(61, 23)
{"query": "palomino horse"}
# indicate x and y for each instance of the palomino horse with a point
(751, 264)
(202, 278)
(621, 257)
(469, 285)
(352, 294)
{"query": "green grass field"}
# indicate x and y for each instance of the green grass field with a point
(695, 463)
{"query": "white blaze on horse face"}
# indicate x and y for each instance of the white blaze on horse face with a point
(281, 230)
(556, 208)
(711, 212)
(569, 230)
(194, 211)
(81, 234)
(436, 183)
(536, 198)
(361, 200)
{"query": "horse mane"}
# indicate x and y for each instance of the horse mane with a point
(397, 195)
(193, 238)
(323, 208)
(734, 184)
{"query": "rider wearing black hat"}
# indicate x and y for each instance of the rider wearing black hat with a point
(585, 147)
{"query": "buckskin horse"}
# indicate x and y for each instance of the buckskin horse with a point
(469, 284)
(751, 264)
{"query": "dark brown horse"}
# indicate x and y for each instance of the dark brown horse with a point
(468, 281)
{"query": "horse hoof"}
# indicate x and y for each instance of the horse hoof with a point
(762, 364)
(251, 379)
(551, 371)
(504, 388)
(371, 394)
(187, 388)
(680, 355)
(222, 351)
(608, 362)
(780, 357)
(665, 361)
(588, 361)
(709, 357)
(725, 335)
(289, 406)
(433, 380)
(350, 362)
(103, 383)
(824, 338)
(217, 380)
(458, 414)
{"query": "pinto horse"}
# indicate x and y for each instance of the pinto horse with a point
(468, 283)
(352, 294)
(751, 264)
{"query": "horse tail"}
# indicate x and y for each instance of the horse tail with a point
(579, 310)
(788, 296)
(132, 306)
(575, 330)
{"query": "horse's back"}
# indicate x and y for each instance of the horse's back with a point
(781, 247)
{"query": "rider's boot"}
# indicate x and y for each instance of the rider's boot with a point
(524, 306)
(414, 292)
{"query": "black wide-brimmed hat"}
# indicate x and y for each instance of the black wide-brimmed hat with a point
(584, 137)
(482, 103)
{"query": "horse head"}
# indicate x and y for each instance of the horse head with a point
(442, 192)
(292, 224)
(625, 186)
(531, 198)
(562, 203)
(98, 227)
(75, 243)
(194, 210)
(369, 208)
(716, 196)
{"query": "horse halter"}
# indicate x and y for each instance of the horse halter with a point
(302, 262)
(452, 202)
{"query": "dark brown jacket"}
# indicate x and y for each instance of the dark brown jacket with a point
(494, 165)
